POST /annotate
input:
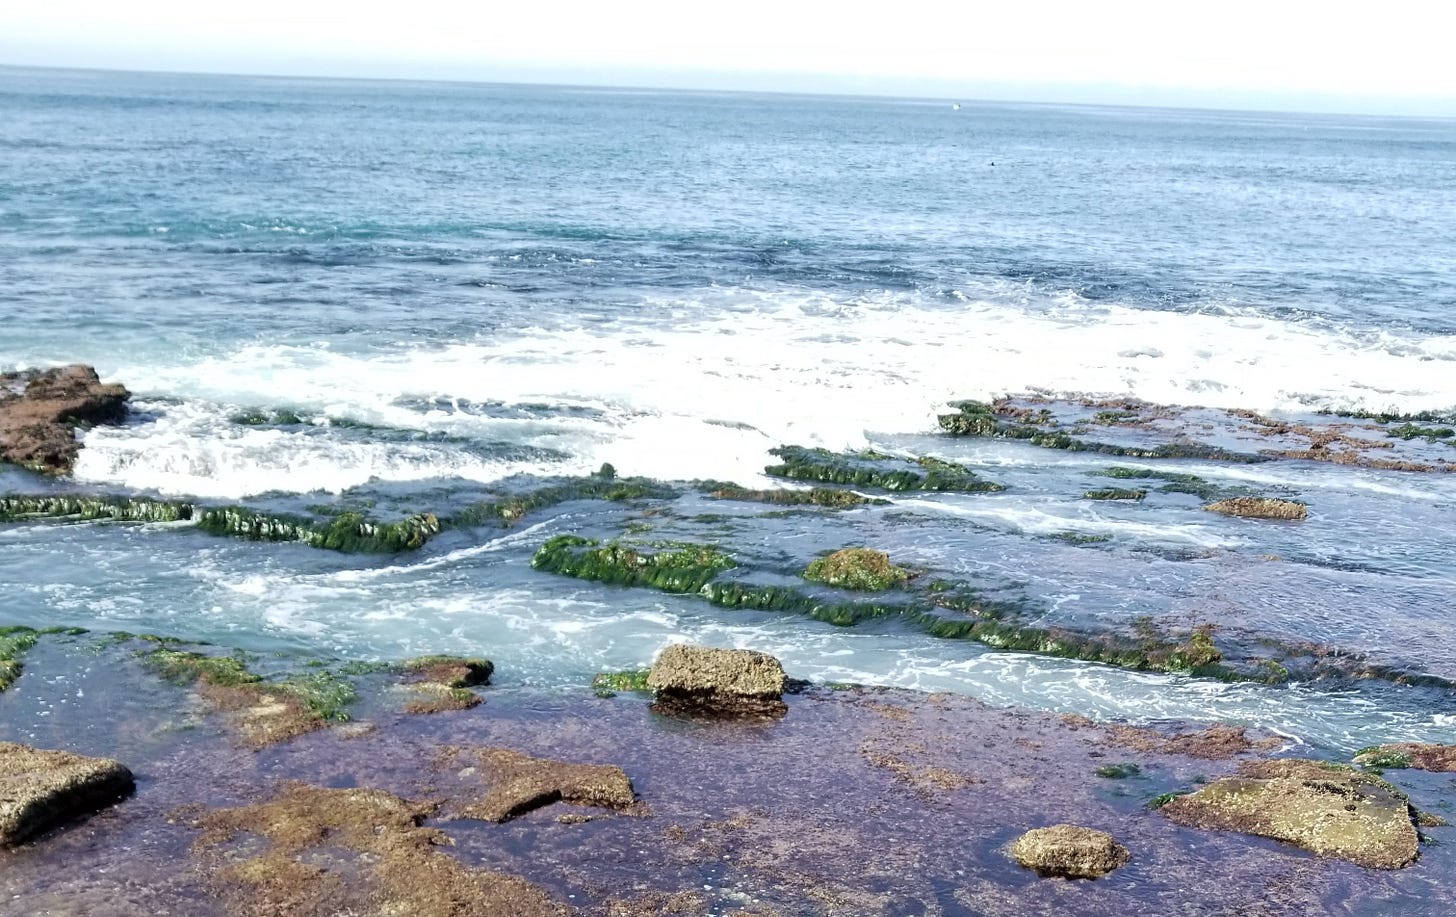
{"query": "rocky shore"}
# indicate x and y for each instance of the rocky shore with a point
(763, 796)
(41, 409)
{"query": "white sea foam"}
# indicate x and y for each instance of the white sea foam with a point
(711, 384)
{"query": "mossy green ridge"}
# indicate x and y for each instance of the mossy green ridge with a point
(609, 684)
(975, 418)
(1429, 434)
(19, 507)
(1114, 493)
(873, 469)
(338, 529)
(828, 497)
(186, 666)
(860, 569)
(948, 612)
(1177, 482)
(668, 566)
(15, 642)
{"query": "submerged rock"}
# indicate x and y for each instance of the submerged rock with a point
(437, 684)
(1424, 757)
(702, 680)
(1330, 810)
(519, 783)
(40, 410)
(1069, 851)
(1259, 508)
(382, 859)
(41, 789)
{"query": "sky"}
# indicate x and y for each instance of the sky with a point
(1395, 57)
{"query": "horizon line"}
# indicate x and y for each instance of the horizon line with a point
(975, 98)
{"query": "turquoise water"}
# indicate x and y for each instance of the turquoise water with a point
(492, 282)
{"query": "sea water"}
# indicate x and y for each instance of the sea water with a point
(455, 283)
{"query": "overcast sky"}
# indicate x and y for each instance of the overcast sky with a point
(1396, 56)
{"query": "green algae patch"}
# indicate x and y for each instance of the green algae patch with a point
(348, 531)
(668, 566)
(21, 508)
(261, 712)
(873, 469)
(999, 421)
(1115, 493)
(861, 569)
(1123, 771)
(510, 510)
(1176, 482)
(827, 497)
(610, 684)
(15, 642)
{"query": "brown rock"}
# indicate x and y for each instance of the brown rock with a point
(1259, 508)
(518, 783)
(702, 680)
(1330, 810)
(1069, 851)
(42, 789)
(377, 838)
(40, 409)
(1424, 757)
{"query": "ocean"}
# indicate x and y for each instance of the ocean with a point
(332, 295)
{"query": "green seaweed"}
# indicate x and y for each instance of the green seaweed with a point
(828, 497)
(1114, 493)
(325, 694)
(1378, 758)
(976, 419)
(185, 666)
(675, 567)
(1119, 771)
(15, 642)
(876, 470)
(608, 684)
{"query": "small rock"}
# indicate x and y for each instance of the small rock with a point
(1069, 852)
(41, 789)
(1330, 810)
(702, 680)
(1259, 508)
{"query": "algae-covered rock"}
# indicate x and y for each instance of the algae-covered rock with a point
(40, 410)
(518, 783)
(700, 679)
(1259, 508)
(857, 568)
(1330, 810)
(1069, 851)
(41, 789)
(1421, 756)
(872, 469)
(384, 861)
(437, 684)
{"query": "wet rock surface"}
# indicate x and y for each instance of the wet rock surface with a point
(865, 801)
(1421, 756)
(518, 783)
(1069, 852)
(717, 682)
(42, 789)
(1260, 508)
(40, 410)
(1330, 810)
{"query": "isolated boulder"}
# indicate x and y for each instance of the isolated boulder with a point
(1259, 508)
(1069, 852)
(702, 680)
(40, 410)
(41, 789)
(1328, 809)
